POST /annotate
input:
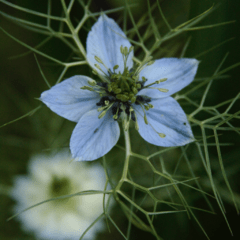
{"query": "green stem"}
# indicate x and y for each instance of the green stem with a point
(126, 163)
(128, 152)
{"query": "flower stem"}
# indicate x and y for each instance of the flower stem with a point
(128, 152)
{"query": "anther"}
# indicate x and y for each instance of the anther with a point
(150, 105)
(115, 67)
(146, 107)
(115, 117)
(106, 102)
(94, 72)
(87, 88)
(97, 66)
(125, 51)
(162, 135)
(162, 80)
(101, 108)
(121, 49)
(92, 83)
(98, 59)
(117, 90)
(135, 91)
(122, 97)
(145, 119)
(138, 86)
(109, 88)
(136, 123)
(133, 99)
(163, 90)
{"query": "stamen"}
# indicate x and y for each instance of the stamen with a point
(131, 110)
(92, 83)
(150, 105)
(117, 90)
(136, 123)
(156, 82)
(102, 114)
(146, 107)
(135, 91)
(163, 90)
(162, 135)
(163, 80)
(125, 54)
(106, 102)
(98, 59)
(131, 49)
(88, 88)
(121, 49)
(122, 97)
(138, 86)
(143, 65)
(98, 67)
(116, 115)
(115, 67)
(101, 108)
(133, 99)
(145, 119)
(145, 116)
(94, 72)
(125, 51)
(160, 89)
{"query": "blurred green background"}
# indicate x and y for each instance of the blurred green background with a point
(21, 82)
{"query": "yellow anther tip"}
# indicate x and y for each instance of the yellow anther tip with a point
(162, 135)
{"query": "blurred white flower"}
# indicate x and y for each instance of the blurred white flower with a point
(53, 176)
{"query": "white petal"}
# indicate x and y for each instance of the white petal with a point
(179, 73)
(93, 137)
(104, 41)
(68, 100)
(166, 117)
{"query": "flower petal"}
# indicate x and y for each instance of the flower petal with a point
(93, 137)
(104, 41)
(179, 73)
(166, 117)
(68, 100)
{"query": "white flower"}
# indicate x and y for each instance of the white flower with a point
(53, 176)
(129, 93)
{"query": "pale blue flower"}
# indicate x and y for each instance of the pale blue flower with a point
(138, 93)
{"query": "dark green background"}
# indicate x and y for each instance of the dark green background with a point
(21, 82)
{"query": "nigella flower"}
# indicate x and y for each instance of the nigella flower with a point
(138, 93)
(52, 176)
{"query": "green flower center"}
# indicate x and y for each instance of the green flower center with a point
(119, 91)
(60, 186)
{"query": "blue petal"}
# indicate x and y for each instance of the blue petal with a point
(68, 100)
(166, 117)
(104, 41)
(179, 73)
(92, 138)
